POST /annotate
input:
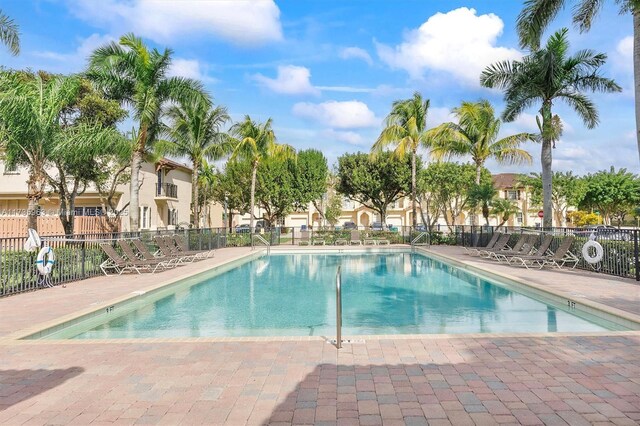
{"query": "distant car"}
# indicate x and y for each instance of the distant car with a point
(243, 228)
(604, 232)
(376, 226)
(349, 225)
(421, 228)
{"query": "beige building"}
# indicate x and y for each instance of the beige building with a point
(165, 202)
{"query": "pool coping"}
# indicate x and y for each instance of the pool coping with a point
(615, 315)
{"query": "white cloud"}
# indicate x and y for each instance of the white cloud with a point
(350, 137)
(459, 43)
(76, 59)
(338, 115)
(239, 21)
(356, 53)
(188, 68)
(291, 80)
(622, 58)
(439, 115)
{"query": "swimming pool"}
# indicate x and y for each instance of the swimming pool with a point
(294, 295)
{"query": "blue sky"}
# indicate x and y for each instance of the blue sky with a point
(327, 71)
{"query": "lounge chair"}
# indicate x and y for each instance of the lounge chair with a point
(522, 247)
(562, 255)
(354, 239)
(147, 255)
(501, 244)
(184, 249)
(473, 251)
(535, 259)
(305, 238)
(317, 241)
(120, 264)
(168, 251)
(341, 242)
(151, 265)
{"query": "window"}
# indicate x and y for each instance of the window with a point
(10, 169)
(512, 194)
(145, 217)
(172, 217)
(280, 221)
(519, 218)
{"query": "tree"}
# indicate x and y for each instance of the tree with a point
(231, 188)
(207, 181)
(87, 134)
(256, 142)
(476, 135)
(276, 191)
(503, 209)
(481, 196)
(567, 191)
(613, 193)
(536, 16)
(9, 34)
(311, 177)
(444, 187)
(196, 133)
(333, 210)
(546, 76)
(374, 182)
(405, 127)
(136, 76)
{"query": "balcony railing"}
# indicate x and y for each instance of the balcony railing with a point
(168, 190)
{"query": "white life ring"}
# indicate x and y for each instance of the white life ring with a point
(587, 255)
(45, 266)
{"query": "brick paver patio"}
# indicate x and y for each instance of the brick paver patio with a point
(551, 379)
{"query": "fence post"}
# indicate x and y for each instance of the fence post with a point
(84, 258)
(635, 253)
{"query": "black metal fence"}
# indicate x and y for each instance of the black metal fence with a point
(620, 246)
(80, 256)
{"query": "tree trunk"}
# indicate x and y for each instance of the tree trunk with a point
(474, 216)
(33, 198)
(414, 218)
(636, 71)
(254, 172)
(134, 190)
(194, 195)
(546, 160)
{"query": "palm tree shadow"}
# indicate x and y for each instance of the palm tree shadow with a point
(19, 385)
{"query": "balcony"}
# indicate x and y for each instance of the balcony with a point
(166, 191)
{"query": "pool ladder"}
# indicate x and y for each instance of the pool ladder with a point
(416, 241)
(339, 308)
(262, 240)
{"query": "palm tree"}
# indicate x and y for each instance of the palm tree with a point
(482, 195)
(196, 133)
(476, 134)
(503, 209)
(256, 142)
(137, 76)
(546, 76)
(207, 179)
(9, 34)
(405, 127)
(536, 16)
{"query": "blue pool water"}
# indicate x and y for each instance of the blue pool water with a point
(394, 293)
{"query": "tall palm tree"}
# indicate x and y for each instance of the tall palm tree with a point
(503, 209)
(137, 76)
(405, 128)
(207, 179)
(476, 134)
(196, 132)
(536, 16)
(9, 34)
(256, 142)
(546, 76)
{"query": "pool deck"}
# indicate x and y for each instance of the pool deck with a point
(548, 379)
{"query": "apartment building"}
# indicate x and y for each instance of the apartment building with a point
(165, 202)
